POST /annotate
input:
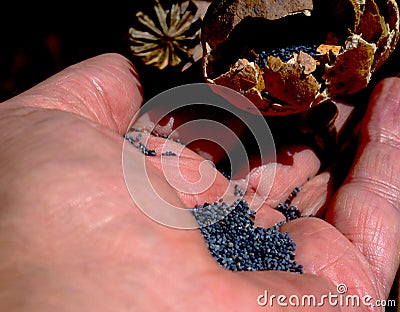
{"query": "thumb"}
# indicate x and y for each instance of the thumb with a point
(366, 209)
(105, 89)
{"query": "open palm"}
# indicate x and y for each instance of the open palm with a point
(73, 240)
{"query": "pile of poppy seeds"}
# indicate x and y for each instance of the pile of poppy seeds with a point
(232, 237)
(285, 53)
(238, 245)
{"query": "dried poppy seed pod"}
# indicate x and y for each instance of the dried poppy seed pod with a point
(288, 57)
(167, 37)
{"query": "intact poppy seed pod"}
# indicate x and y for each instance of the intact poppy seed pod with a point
(288, 56)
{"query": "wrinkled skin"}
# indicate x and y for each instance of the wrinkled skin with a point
(73, 240)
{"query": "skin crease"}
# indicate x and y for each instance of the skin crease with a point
(72, 239)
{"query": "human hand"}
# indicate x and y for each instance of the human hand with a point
(73, 239)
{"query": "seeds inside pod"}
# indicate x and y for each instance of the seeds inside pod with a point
(289, 56)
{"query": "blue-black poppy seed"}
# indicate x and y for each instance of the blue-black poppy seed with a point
(168, 153)
(135, 141)
(290, 212)
(285, 53)
(238, 191)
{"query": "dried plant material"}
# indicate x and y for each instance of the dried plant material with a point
(290, 83)
(166, 37)
(328, 48)
(372, 25)
(307, 51)
(243, 75)
(307, 63)
(351, 71)
(223, 16)
(390, 36)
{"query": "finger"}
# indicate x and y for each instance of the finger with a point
(296, 165)
(314, 195)
(272, 183)
(104, 89)
(268, 185)
(366, 208)
(193, 178)
(311, 200)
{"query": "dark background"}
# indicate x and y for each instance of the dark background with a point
(38, 40)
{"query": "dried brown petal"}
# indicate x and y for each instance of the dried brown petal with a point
(242, 76)
(308, 63)
(288, 83)
(328, 48)
(351, 70)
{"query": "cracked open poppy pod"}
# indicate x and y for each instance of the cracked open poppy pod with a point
(288, 56)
